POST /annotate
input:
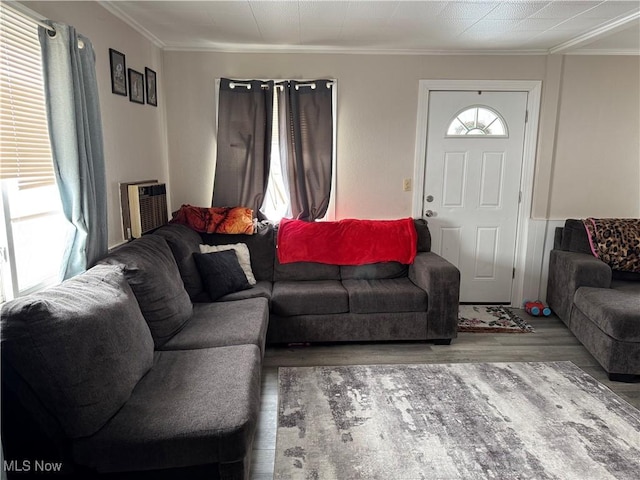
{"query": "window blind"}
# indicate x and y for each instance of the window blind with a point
(25, 149)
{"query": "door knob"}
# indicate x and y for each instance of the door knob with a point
(429, 213)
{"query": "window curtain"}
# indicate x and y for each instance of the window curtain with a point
(307, 146)
(245, 110)
(75, 129)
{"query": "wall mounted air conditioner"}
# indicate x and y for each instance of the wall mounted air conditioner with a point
(144, 207)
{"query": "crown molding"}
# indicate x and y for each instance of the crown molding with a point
(308, 49)
(594, 34)
(116, 11)
(604, 51)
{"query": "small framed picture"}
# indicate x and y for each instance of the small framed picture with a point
(118, 72)
(136, 86)
(150, 84)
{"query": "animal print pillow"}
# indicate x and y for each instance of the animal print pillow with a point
(615, 241)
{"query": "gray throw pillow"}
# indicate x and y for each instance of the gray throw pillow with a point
(575, 238)
(183, 243)
(262, 247)
(424, 236)
(221, 273)
(153, 274)
(81, 347)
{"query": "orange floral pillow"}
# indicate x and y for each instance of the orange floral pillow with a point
(231, 220)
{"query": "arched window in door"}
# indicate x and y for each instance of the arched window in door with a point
(477, 121)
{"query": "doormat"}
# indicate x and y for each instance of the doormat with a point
(490, 319)
(472, 421)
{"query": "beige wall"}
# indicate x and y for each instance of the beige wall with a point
(588, 148)
(597, 157)
(376, 116)
(134, 134)
(590, 102)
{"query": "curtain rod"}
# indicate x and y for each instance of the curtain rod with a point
(279, 87)
(28, 14)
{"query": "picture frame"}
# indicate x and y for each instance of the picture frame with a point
(136, 86)
(118, 72)
(151, 88)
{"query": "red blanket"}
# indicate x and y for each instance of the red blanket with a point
(347, 242)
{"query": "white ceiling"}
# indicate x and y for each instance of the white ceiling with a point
(478, 26)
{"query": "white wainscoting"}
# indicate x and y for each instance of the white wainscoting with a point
(540, 236)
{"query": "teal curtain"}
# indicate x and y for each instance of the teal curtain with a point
(75, 128)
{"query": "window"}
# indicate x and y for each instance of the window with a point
(34, 230)
(276, 200)
(300, 179)
(477, 121)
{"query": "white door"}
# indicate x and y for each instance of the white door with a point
(472, 186)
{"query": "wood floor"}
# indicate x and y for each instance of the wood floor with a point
(552, 341)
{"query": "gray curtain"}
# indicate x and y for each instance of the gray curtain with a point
(75, 128)
(308, 138)
(244, 143)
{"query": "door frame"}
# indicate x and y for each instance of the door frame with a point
(534, 90)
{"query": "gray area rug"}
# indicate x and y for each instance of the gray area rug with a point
(490, 319)
(455, 421)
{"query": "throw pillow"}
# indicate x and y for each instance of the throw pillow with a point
(152, 272)
(221, 273)
(183, 241)
(228, 220)
(242, 251)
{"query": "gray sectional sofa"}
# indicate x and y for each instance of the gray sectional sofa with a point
(129, 370)
(312, 302)
(115, 371)
(600, 306)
